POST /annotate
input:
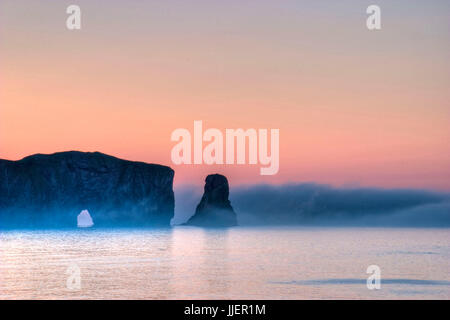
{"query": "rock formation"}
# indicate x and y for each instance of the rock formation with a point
(214, 209)
(50, 190)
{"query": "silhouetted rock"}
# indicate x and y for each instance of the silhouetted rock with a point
(51, 190)
(214, 209)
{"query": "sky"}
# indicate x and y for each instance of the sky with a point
(354, 107)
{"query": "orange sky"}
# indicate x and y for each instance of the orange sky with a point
(354, 107)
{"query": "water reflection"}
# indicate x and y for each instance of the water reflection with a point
(238, 263)
(201, 260)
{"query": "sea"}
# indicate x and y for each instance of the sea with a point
(235, 263)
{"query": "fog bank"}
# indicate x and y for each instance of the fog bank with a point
(313, 204)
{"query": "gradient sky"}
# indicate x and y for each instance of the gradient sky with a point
(354, 107)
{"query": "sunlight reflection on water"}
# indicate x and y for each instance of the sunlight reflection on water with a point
(238, 263)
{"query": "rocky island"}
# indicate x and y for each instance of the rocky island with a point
(50, 191)
(214, 209)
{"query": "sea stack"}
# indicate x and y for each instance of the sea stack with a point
(214, 209)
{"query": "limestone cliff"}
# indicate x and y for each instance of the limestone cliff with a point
(214, 209)
(51, 190)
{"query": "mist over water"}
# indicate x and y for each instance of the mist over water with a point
(313, 204)
(323, 254)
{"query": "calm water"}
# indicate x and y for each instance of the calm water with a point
(240, 263)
